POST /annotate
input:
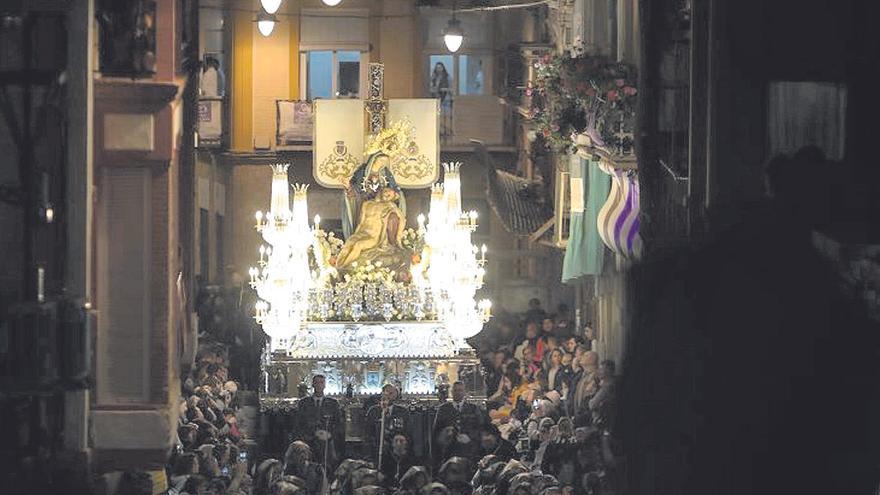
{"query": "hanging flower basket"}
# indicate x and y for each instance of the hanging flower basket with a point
(576, 93)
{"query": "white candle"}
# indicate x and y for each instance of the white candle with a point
(41, 275)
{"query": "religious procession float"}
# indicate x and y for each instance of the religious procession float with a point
(384, 302)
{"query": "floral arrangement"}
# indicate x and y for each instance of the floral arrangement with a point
(369, 272)
(327, 246)
(413, 241)
(579, 93)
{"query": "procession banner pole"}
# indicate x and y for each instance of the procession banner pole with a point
(326, 485)
(381, 438)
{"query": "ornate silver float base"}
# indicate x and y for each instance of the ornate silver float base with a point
(357, 359)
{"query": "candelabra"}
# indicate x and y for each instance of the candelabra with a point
(457, 267)
(282, 278)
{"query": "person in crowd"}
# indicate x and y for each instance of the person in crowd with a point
(535, 312)
(412, 482)
(563, 319)
(506, 335)
(396, 420)
(553, 376)
(551, 343)
(585, 388)
(398, 461)
(573, 375)
(491, 443)
(185, 466)
(298, 462)
(529, 361)
(591, 335)
(464, 417)
(532, 339)
(266, 474)
(320, 423)
(494, 372)
(566, 375)
(570, 343)
(230, 427)
(548, 326)
(602, 403)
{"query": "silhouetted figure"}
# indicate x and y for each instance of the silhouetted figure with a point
(749, 370)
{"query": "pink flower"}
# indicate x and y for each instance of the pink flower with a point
(629, 91)
(619, 82)
(612, 95)
(546, 132)
(529, 92)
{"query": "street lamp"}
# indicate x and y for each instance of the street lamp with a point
(270, 6)
(266, 23)
(453, 35)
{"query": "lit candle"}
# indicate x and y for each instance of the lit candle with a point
(262, 252)
(317, 222)
(259, 216)
(421, 220)
(41, 277)
(483, 250)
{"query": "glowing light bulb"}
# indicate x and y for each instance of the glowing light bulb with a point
(266, 26)
(453, 36)
(270, 6)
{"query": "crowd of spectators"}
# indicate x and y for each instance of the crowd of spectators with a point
(211, 456)
(551, 393)
(547, 428)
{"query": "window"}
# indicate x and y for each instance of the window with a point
(458, 74)
(471, 78)
(807, 113)
(332, 73)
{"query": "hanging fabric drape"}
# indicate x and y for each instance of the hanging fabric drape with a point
(589, 190)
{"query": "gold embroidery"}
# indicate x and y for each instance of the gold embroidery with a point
(339, 165)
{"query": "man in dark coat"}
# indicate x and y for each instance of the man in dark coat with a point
(466, 416)
(321, 424)
(396, 421)
(461, 421)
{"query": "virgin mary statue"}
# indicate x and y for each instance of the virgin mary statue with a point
(365, 184)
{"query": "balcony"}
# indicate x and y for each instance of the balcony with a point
(468, 118)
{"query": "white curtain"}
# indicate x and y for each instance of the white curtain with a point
(807, 113)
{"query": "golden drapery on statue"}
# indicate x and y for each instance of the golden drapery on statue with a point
(378, 234)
